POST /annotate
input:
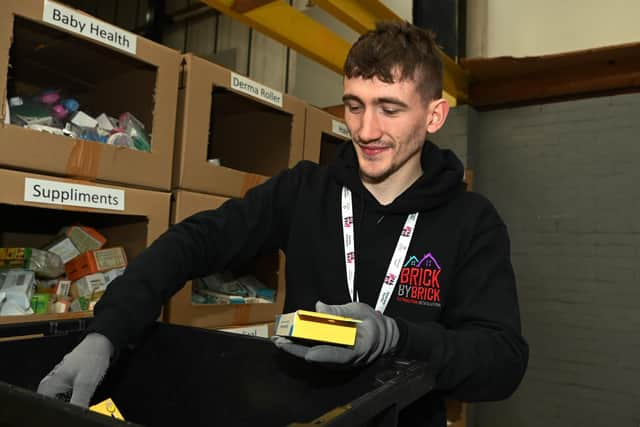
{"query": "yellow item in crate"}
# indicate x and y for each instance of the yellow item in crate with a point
(108, 408)
(314, 326)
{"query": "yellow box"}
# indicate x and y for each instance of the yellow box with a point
(314, 326)
(108, 408)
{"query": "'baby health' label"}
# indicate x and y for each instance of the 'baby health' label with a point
(76, 22)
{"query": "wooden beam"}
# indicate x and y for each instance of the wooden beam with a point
(507, 81)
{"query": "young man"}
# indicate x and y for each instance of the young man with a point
(386, 234)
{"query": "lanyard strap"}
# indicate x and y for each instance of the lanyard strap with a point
(399, 254)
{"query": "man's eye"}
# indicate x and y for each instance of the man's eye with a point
(354, 108)
(390, 111)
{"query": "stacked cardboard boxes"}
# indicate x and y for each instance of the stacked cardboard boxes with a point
(59, 65)
(87, 118)
(34, 208)
(232, 133)
(268, 270)
(324, 134)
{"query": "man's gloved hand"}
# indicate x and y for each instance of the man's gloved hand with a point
(377, 335)
(80, 371)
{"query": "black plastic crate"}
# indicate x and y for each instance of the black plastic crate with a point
(188, 376)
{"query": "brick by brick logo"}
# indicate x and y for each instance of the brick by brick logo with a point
(419, 281)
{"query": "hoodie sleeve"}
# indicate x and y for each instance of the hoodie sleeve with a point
(207, 242)
(477, 350)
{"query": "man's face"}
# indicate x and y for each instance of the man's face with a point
(388, 124)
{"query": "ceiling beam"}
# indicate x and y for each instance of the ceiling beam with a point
(290, 27)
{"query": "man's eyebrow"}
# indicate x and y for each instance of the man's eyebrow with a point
(376, 101)
(349, 97)
(390, 100)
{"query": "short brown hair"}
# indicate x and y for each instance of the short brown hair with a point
(397, 46)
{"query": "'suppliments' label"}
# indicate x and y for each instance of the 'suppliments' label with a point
(68, 194)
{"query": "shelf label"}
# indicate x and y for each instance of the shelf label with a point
(340, 128)
(255, 89)
(69, 194)
(76, 22)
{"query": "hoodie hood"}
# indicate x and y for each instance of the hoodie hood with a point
(440, 182)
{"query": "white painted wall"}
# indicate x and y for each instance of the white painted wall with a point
(529, 28)
(315, 83)
(402, 8)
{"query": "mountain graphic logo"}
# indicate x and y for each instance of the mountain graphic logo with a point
(427, 261)
(412, 262)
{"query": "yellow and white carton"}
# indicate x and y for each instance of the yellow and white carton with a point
(314, 326)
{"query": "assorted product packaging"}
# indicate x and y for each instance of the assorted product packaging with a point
(49, 111)
(225, 288)
(69, 274)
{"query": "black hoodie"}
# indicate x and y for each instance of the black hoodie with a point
(455, 301)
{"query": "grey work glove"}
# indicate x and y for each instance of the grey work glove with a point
(376, 335)
(80, 371)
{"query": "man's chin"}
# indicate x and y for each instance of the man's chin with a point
(373, 177)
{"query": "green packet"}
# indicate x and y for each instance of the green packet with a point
(40, 303)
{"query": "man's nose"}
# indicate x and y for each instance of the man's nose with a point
(369, 127)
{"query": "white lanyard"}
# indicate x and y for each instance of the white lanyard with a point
(390, 279)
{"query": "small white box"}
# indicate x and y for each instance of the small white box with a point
(18, 286)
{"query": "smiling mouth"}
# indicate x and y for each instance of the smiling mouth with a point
(372, 150)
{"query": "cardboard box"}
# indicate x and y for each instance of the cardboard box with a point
(96, 262)
(39, 52)
(320, 327)
(31, 219)
(85, 238)
(269, 269)
(254, 131)
(323, 135)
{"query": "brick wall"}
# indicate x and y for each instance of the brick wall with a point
(566, 179)
(454, 135)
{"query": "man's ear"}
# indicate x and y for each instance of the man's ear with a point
(438, 111)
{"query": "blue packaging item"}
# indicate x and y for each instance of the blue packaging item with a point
(91, 134)
(70, 104)
(266, 293)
